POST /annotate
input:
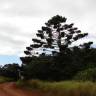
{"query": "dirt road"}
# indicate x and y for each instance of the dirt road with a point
(10, 89)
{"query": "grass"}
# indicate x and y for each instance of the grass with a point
(5, 79)
(63, 88)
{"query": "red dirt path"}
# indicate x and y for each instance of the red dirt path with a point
(10, 89)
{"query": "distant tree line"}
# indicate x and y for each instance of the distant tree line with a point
(10, 71)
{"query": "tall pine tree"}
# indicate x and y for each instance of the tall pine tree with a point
(56, 34)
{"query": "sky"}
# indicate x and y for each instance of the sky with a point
(20, 20)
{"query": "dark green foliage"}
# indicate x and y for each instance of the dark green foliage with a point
(61, 67)
(27, 52)
(86, 75)
(39, 67)
(25, 60)
(64, 63)
(56, 20)
(55, 33)
(10, 70)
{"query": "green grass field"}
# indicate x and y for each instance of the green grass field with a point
(63, 88)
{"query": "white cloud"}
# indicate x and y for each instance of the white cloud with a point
(16, 33)
(20, 20)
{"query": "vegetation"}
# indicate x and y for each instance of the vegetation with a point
(10, 71)
(5, 79)
(64, 61)
(86, 75)
(62, 88)
(56, 34)
(67, 71)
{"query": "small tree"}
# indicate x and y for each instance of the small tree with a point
(56, 34)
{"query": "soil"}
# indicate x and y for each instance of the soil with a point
(10, 89)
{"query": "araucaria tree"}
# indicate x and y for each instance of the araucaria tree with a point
(65, 61)
(56, 34)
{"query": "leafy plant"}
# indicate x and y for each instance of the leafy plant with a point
(86, 75)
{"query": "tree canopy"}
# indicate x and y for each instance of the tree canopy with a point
(65, 61)
(56, 34)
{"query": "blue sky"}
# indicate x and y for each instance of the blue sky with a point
(5, 59)
(20, 20)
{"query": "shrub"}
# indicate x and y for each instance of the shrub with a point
(35, 84)
(30, 84)
(86, 75)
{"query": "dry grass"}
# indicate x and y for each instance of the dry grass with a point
(64, 88)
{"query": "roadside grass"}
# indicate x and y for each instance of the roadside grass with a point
(5, 79)
(63, 88)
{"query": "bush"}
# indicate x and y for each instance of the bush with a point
(35, 84)
(30, 84)
(86, 75)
